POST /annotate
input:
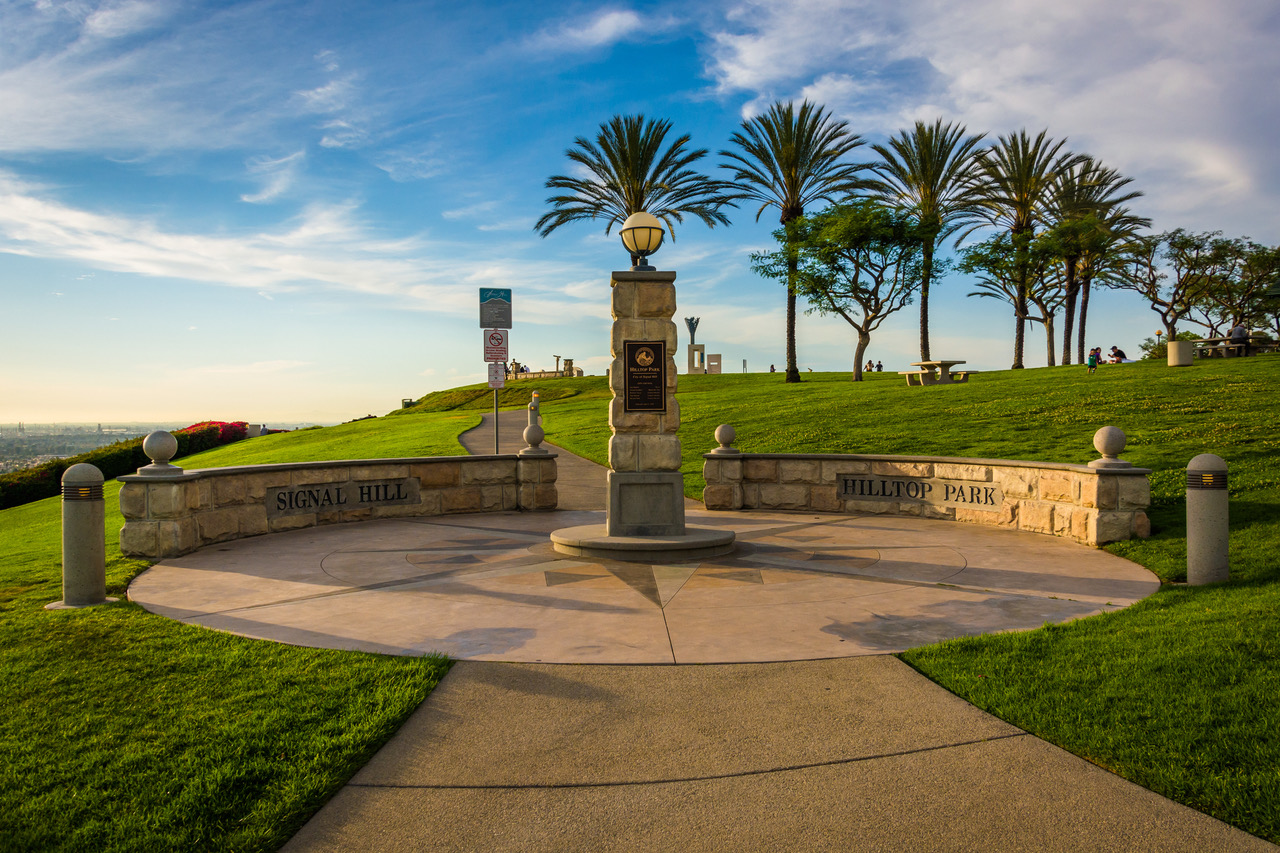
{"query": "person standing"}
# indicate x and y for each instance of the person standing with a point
(1093, 359)
(879, 367)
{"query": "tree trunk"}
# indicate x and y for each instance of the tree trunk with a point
(926, 277)
(1048, 334)
(1084, 316)
(1018, 340)
(793, 372)
(1069, 315)
(864, 341)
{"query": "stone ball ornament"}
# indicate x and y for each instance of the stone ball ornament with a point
(725, 434)
(160, 447)
(1109, 441)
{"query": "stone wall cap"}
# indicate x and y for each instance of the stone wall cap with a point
(642, 275)
(198, 473)
(945, 460)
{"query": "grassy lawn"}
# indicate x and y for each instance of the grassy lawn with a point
(120, 730)
(1179, 693)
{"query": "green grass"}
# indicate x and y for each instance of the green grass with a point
(121, 730)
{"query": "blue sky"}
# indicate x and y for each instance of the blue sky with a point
(283, 211)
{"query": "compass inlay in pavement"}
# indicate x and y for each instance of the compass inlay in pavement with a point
(490, 587)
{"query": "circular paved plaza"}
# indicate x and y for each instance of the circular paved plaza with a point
(490, 587)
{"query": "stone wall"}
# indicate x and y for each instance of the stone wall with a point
(168, 515)
(1087, 504)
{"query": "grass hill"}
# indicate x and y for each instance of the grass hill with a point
(121, 730)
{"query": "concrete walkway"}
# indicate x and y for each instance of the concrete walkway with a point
(852, 752)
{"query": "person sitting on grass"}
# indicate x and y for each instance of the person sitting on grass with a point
(1118, 356)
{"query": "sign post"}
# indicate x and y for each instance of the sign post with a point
(495, 319)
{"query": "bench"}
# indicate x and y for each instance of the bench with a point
(919, 377)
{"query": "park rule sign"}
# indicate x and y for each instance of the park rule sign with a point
(495, 308)
(495, 345)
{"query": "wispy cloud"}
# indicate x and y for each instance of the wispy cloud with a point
(277, 175)
(604, 28)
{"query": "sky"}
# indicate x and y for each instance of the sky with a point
(284, 211)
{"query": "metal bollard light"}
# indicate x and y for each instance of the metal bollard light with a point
(84, 539)
(1208, 558)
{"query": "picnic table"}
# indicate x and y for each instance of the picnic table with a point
(1227, 348)
(935, 373)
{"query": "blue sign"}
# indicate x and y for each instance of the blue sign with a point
(495, 308)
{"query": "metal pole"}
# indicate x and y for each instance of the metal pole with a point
(495, 421)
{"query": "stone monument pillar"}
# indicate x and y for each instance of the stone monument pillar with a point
(646, 488)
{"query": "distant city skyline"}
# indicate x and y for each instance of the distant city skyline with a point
(284, 211)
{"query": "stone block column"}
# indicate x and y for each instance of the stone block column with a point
(646, 489)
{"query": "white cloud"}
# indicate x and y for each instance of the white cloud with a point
(1167, 93)
(115, 20)
(602, 29)
(277, 175)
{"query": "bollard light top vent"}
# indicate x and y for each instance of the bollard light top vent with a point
(1207, 462)
(82, 474)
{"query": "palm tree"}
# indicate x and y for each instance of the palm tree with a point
(788, 158)
(1105, 260)
(1014, 180)
(631, 172)
(1081, 197)
(927, 174)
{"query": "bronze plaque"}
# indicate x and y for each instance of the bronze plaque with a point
(645, 376)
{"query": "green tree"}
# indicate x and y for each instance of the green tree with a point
(1080, 198)
(789, 158)
(1015, 178)
(1008, 271)
(1104, 260)
(633, 168)
(859, 261)
(928, 173)
(1175, 270)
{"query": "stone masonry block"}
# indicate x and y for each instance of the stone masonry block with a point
(510, 497)
(527, 495)
(724, 497)
(633, 422)
(379, 472)
(133, 500)
(658, 452)
(624, 453)
(711, 471)
(831, 470)
(872, 507)
(1135, 492)
(1100, 491)
(798, 471)
(823, 498)
(1111, 527)
(1058, 486)
(1063, 518)
(548, 497)
(314, 476)
(623, 300)
(435, 475)
(405, 511)
(204, 495)
(902, 469)
(228, 491)
(484, 473)
(462, 499)
(731, 470)
(947, 513)
(1016, 482)
(1141, 525)
(177, 537)
(362, 514)
(1035, 516)
(256, 485)
(950, 471)
(760, 470)
(655, 299)
(166, 500)
(750, 496)
(992, 519)
(219, 525)
(431, 503)
(252, 519)
(292, 522)
(138, 539)
(774, 496)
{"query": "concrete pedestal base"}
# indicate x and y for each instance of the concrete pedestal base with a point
(593, 540)
(645, 503)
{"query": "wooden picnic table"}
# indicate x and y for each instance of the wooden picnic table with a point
(935, 373)
(1226, 347)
